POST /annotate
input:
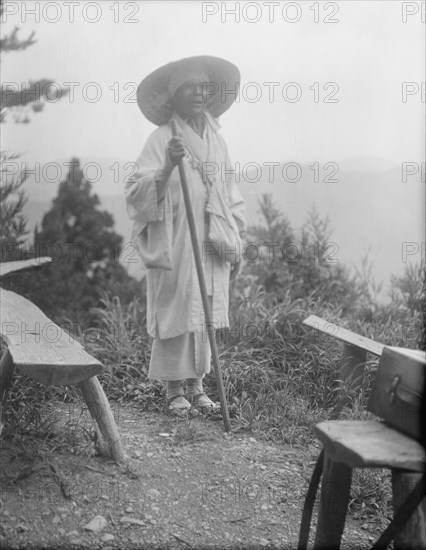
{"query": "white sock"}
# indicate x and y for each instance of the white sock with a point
(194, 386)
(173, 388)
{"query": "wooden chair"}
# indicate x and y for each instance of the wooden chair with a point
(363, 444)
(43, 351)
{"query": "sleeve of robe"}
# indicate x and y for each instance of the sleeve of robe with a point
(152, 218)
(236, 202)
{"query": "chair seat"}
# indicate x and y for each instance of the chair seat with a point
(370, 444)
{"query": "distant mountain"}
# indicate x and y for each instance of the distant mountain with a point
(369, 207)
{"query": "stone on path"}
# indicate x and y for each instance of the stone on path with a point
(133, 521)
(96, 524)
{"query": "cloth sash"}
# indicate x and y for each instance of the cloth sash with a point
(202, 151)
(206, 155)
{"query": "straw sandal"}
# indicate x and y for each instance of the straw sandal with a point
(179, 406)
(205, 405)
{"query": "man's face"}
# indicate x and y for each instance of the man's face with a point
(190, 99)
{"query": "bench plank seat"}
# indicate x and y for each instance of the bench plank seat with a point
(345, 335)
(50, 355)
(34, 340)
(23, 265)
(370, 444)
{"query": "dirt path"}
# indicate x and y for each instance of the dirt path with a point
(187, 484)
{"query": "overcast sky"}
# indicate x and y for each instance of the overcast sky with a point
(363, 58)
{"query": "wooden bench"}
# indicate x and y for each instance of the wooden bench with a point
(360, 444)
(43, 351)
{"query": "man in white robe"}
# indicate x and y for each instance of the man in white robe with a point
(175, 315)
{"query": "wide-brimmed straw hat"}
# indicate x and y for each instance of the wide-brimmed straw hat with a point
(156, 90)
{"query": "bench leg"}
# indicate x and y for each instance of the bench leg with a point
(6, 373)
(413, 536)
(334, 500)
(99, 408)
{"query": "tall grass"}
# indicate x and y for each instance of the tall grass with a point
(281, 376)
(119, 339)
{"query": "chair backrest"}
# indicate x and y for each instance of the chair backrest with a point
(398, 386)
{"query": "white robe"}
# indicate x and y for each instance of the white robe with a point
(160, 230)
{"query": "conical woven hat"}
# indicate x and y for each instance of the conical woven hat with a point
(153, 92)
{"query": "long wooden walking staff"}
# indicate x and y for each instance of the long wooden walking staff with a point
(203, 289)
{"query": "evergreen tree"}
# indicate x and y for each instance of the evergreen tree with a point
(267, 256)
(84, 247)
(302, 263)
(78, 236)
(12, 198)
(30, 96)
(318, 269)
